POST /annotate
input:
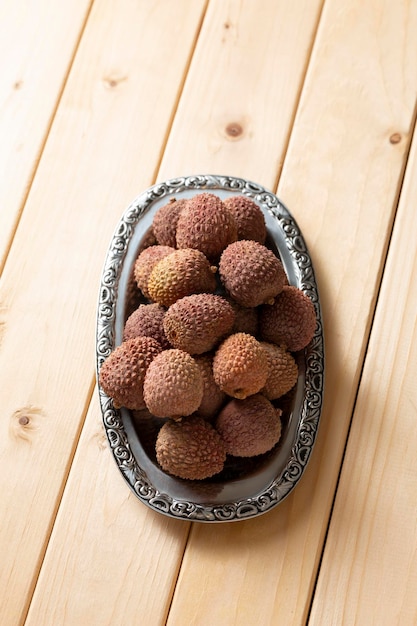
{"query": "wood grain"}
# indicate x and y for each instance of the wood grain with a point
(238, 103)
(340, 179)
(369, 570)
(112, 560)
(93, 164)
(34, 62)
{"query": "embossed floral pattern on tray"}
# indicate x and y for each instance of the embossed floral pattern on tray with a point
(291, 246)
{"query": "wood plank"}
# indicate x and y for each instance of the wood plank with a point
(37, 44)
(340, 180)
(111, 559)
(372, 542)
(154, 548)
(93, 164)
(239, 99)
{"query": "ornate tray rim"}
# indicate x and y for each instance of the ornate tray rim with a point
(308, 421)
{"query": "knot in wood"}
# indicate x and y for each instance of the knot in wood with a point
(395, 138)
(234, 130)
(25, 422)
(112, 81)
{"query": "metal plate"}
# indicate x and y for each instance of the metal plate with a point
(247, 487)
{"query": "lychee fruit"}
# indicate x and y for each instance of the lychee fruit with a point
(190, 448)
(290, 321)
(249, 427)
(206, 225)
(240, 365)
(122, 373)
(251, 273)
(196, 323)
(173, 386)
(181, 273)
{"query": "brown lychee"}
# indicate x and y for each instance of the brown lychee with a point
(290, 321)
(123, 371)
(147, 321)
(251, 273)
(249, 218)
(181, 273)
(190, 448)
(283, 371)
(249, 427)
(173, 386)
(145, 263)
(196, 323)
(206, 225)
(240, 365)
(165, 220)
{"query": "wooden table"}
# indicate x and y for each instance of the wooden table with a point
(314, 100)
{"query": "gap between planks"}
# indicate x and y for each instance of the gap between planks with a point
(309, 58)
(38, 155)
(412, 133)
(180, 92)
(54, 513)
(348, 570)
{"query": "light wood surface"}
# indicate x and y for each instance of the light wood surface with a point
(313, 99)
(32, 76)
(372, 542)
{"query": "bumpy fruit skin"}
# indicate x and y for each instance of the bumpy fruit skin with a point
(147, 321)
(283, 371)
(181, 273)
(240, 366)
(249, 218)
(251, 273)
(145, 263)
(213, 396)
(290, 321)
(196, 323)
(249, 427)
(164, 224)
(206, 225)
(190, 448)
(123, 371)
(173, 386)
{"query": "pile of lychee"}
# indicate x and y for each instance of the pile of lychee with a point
(211, 348)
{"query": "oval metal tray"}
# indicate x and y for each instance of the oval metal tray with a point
(247, 487)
